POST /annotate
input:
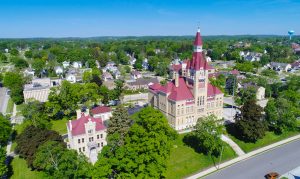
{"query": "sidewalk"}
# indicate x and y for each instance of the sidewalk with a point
(243, 157)
(233, 145)
(8, 147)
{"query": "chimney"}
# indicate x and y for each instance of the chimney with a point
(176, 79)
(78, 113)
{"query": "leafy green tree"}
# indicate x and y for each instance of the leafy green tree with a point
(1, 77)
(144, 153)
(28, 54)
(58, 162)
(5, 129)
(250, 123)
(247, 94)
(19, 62)
(269, 73)
(219, 82)
(3, 167)
(118, 125)
(14, 52)
(118, 90)
(280, 115)
(38, 65)
(15, 81)
(245, 67)
(208, 133)
(3, 58)
(87, 76)
(231, 84)
(31, 138)
(34, 112)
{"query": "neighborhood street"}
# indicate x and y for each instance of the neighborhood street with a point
(3, 100)
(280, 160)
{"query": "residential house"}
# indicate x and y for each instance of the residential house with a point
(66, 64)
(107, 76)
(135, 75)
(77, 65)
(145, 64)
(28, 72)
(280, 66)
(87, 135)
(103, 112)
(140, 83)
(189, 95)
(260, 91)
(58, 70)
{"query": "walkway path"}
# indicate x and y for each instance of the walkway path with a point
(9, 143)
(233, 145)
(243, 157)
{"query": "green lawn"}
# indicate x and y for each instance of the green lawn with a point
(10, 106)
(185, 161)
(20, 170)
(268, 139)
(13, 146)
(59, 126)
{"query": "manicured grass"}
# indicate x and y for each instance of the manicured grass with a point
(20, 170)
(185, 161)
(59, 126)
(10, 106)
(13, 146)
(20, 107)
(269, 138)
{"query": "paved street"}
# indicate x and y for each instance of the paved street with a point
(3, 100)
(281, 160)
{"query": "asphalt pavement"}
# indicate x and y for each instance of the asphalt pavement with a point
(3, 100)
(281, 160)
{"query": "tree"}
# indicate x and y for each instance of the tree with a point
(5, 129)
(3, 167)
(87, 77)
(28, 54)
(15, 81)
(58, 162)
(208, 133)
(280, 115)
(34, 111)
(118, 125)
(245, 67)
(19, 62)
(3, 58)
(250, 123)
(31, 138)
(38, 65)
(118, 89)
(105, 93)
(14, 52)
(248, 93)
(231, 84)
(144, 153)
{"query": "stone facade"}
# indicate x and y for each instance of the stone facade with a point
(189, 95)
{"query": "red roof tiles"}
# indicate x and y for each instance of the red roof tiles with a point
(77, 127)
(100, 110)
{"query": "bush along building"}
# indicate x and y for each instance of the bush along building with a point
(189, 95)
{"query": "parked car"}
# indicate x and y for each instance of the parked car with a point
(272, 175)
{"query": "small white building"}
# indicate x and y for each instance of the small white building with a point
(106, 76)
(66, 64)
(71, 78)
(135, 75)
(77, 65)
(87, 135)
(58, 70)
(103, 112)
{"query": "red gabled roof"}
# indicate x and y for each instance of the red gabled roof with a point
(235, 72)
(212, 90)
(176, 67)
(78, 127)
(181, 92)
(198, 39)
(101, 109)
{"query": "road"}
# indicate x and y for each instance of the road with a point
(280, 160)
(3, 100)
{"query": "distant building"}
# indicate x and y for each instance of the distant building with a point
(39, 89)
(29, 72)
(103, 112)
(77, 65)
(135, 75)
(106, 76)
(260, 91)
(145, 64)
(58, 70)
(87, 135)
(280, 66)
(189, 95)
(66, 64)
(140, 83)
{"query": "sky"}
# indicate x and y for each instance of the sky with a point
(90, 18)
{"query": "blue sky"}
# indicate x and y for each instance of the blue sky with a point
(87, 18)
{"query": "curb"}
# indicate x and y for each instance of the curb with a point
(243, 157)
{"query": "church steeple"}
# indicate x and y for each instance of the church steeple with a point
(198, 42)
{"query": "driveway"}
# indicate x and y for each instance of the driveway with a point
(3, 100)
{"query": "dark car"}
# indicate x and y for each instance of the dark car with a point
(272, 175)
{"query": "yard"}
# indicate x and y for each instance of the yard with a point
(59, 126)
(268, 139)
(10, 106)
(185, 161)
(20, 170)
